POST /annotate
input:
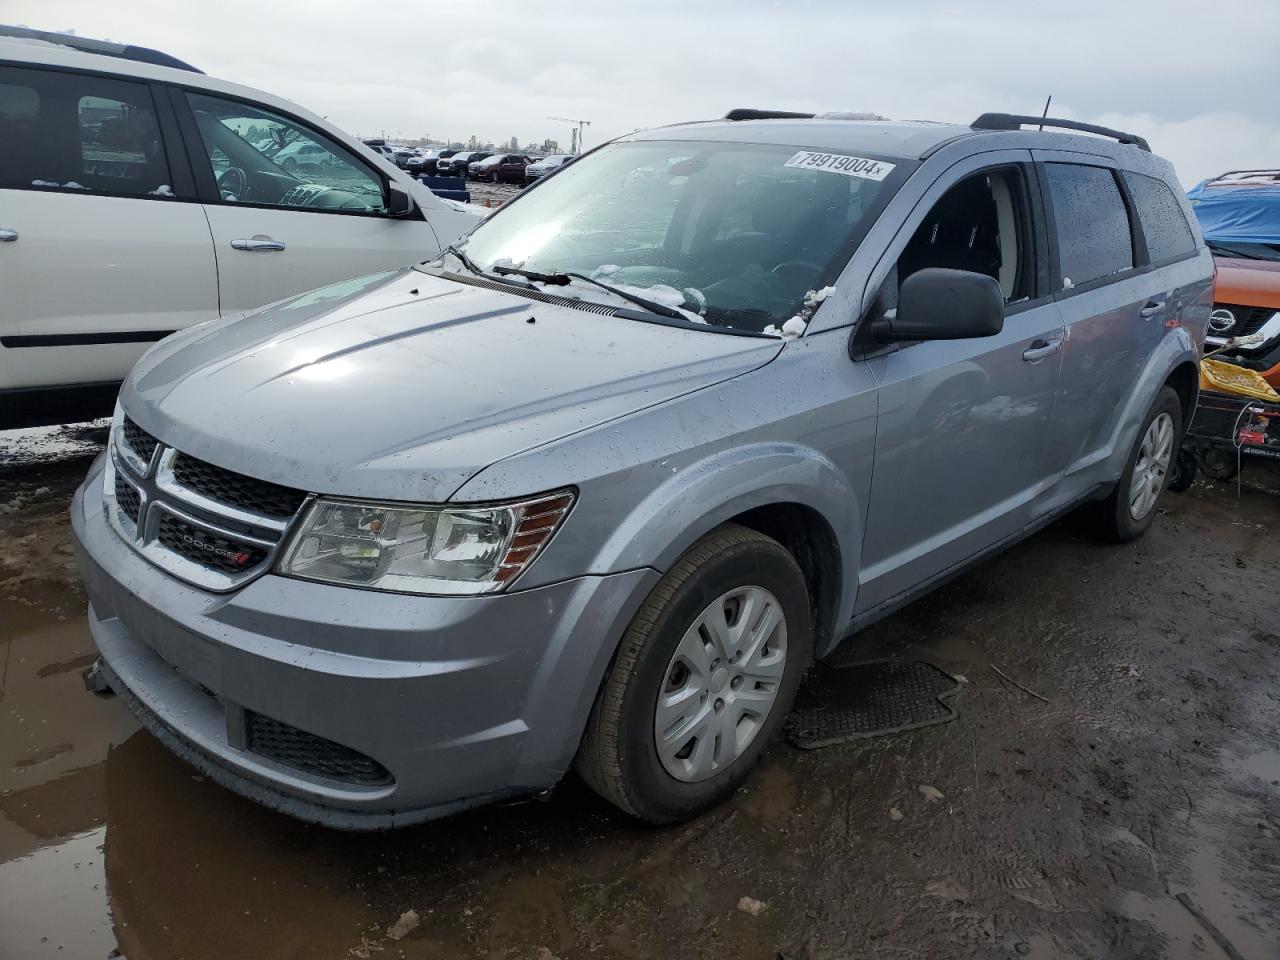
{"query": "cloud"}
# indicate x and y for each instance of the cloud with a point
(502, 68)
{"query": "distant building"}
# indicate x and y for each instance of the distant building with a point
(550, 146)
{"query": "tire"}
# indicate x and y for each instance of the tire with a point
(495, 178)
(1184, 471)
(1114, 518)
(1219, 463)
(619, 757)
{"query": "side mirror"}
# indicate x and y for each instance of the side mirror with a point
(940, 304)
(399, 203)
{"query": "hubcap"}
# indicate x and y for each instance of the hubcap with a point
(1154, 457)
(721, 683)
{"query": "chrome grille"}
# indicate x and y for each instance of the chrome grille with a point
(1248, 319)
(128, 498)
(309, 753)
(202, 546)
(204, 524)
(139, 441)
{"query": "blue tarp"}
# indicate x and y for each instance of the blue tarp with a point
(1237, 214)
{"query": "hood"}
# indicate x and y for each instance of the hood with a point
(1250, 283)
(402, 386)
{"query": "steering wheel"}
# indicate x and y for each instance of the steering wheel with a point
(233, 183)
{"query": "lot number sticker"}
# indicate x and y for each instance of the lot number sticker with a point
(841, 163)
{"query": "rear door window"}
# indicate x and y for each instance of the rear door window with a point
(77, 132)
(1091, 221)
(1163, 223)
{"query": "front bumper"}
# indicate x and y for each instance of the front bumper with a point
(464, 700)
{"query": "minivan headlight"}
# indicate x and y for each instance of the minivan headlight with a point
(431, 550)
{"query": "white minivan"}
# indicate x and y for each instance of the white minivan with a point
(139, 196)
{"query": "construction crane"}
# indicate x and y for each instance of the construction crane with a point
(575, 134)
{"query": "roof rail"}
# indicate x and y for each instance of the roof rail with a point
(103, 48)
(1013, 121)
(1270, 173)
(751, 113)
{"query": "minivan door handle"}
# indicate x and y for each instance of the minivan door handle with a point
(1040, 349)
(7, 235)
(257, 242)
(1151, 308)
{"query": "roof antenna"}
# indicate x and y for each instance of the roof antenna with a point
(1046, 109)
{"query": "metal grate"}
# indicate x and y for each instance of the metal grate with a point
(139, 441)
(235, 489)
(1248, 319)
(206, 548)
(304, 751)
(839, 704)
(128, 499)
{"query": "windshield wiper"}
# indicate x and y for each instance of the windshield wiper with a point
(463, 258)
(558, 279)
(563, 279)
(471, 265)
(653, 306)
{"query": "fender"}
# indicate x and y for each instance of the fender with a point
(711, 491)
(1176, 348)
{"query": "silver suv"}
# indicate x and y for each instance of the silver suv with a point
(595, 487)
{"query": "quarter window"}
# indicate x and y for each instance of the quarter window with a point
(1094, 237)
(261, 157)
(1163, 223)
(75, 132)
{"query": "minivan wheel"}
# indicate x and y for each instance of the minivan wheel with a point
(703, 679)
(1129, 511)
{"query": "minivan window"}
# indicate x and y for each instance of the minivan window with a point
(260, 157)
(77, 132)
(733, 234)
(1163, 223)
(1094, 237)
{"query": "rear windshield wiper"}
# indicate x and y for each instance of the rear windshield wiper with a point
(563, 279)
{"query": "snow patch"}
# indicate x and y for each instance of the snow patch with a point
(164, 190)
(797, 325)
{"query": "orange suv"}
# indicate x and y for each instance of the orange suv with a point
(1239, 213)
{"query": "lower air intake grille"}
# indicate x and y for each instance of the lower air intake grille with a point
(128, 498)
(311, 754)
(236, 489)
(209, 549)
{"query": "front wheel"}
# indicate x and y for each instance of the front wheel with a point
(1127, 513)
(703, 679)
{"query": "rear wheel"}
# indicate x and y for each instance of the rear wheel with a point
(1129, 510)
(1220, 463)
(703, 679)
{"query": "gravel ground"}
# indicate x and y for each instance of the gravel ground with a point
(1060, 822)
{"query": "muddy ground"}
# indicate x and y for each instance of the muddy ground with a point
(1065, 827)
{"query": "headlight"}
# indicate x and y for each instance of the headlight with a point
(441, 550)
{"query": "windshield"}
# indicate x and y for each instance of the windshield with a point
(1246, 251)
(732, 235)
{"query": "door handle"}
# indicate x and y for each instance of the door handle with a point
(257, 242)
(1040, 349)
(1151, 308)
(7, 235)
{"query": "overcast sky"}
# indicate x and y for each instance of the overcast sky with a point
(1198, 80)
